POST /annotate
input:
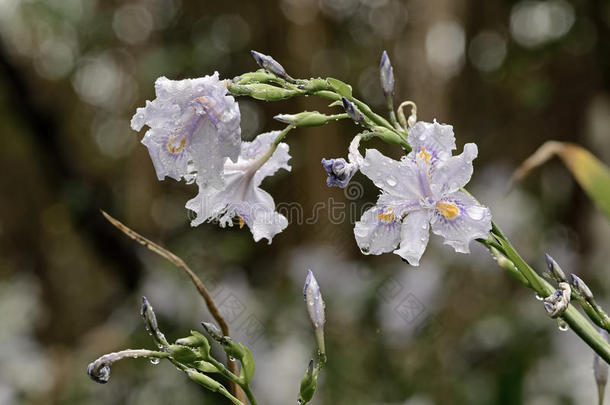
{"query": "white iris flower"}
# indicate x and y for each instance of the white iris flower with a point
(420, 191)
(242, 199)
(192, 121)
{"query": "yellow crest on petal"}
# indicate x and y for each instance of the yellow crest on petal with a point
(448, 209)
(387, 215)
(425, 155)
(176, 149)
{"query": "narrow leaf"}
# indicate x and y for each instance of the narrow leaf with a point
(592, 174)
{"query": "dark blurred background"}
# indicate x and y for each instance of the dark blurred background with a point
(508, 75)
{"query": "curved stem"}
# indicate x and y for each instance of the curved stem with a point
(178, 262)
(234, 378)
(577, 322)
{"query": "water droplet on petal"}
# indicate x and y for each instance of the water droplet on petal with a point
(391, 181)
(476, 212)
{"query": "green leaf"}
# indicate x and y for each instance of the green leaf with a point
(247, 362)
(343, 89)
(592, 175)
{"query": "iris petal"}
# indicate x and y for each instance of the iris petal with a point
(414, 235)
(472, 221)
(241, 197)
(377, 231)
(437, 139)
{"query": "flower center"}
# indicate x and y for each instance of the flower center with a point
(448, 209)
(425, 155)
(172, 147)
(387, 215)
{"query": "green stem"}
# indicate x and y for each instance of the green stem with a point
(577, 322)
(281, 136)
(239, 381)
(249, 394)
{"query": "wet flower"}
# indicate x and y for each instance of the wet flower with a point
(386, 76)
(315, 308)
(241, 198)
(340, 171)
(313, 298)
(557, 303)
(190, 121)
(420, 191)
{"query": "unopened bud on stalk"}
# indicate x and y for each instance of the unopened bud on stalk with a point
(307, 119)
(390, 136)
(581, 287)
(270, 64)
(213, 331)
(352, 111)
(315, 308)
(386, 75)
(262, 91)
(184, 354)
(308, 384)
(150, 320)
(203, 380)
(557, 303)
(554, 268)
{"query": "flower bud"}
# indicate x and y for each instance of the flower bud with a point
(315, 308)
(196, 340)
(308, 384)
(213, 331)
(193, 340)
(203, 380)
(581, 287)
(306, 119)
(262, 91)
(386, 75)
(352, 111)
(556, 271)
(340, 172)
(150, 320)
(270, 64)
(100, 373)
(390, 136)
(184, 354)
(258, 76)
(313, 298)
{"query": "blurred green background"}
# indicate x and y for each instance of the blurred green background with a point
(508, 75)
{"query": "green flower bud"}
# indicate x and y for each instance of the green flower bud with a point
(203, 380)
(309, 384)
(307, 119)
(233, 349)
(258, 76)
(191, 341)
(390, 136)
(150, 320)
(314, 85)
(183, 354)
(206, 367)
(262, 91)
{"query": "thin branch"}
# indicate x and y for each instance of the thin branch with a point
(203, 291)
